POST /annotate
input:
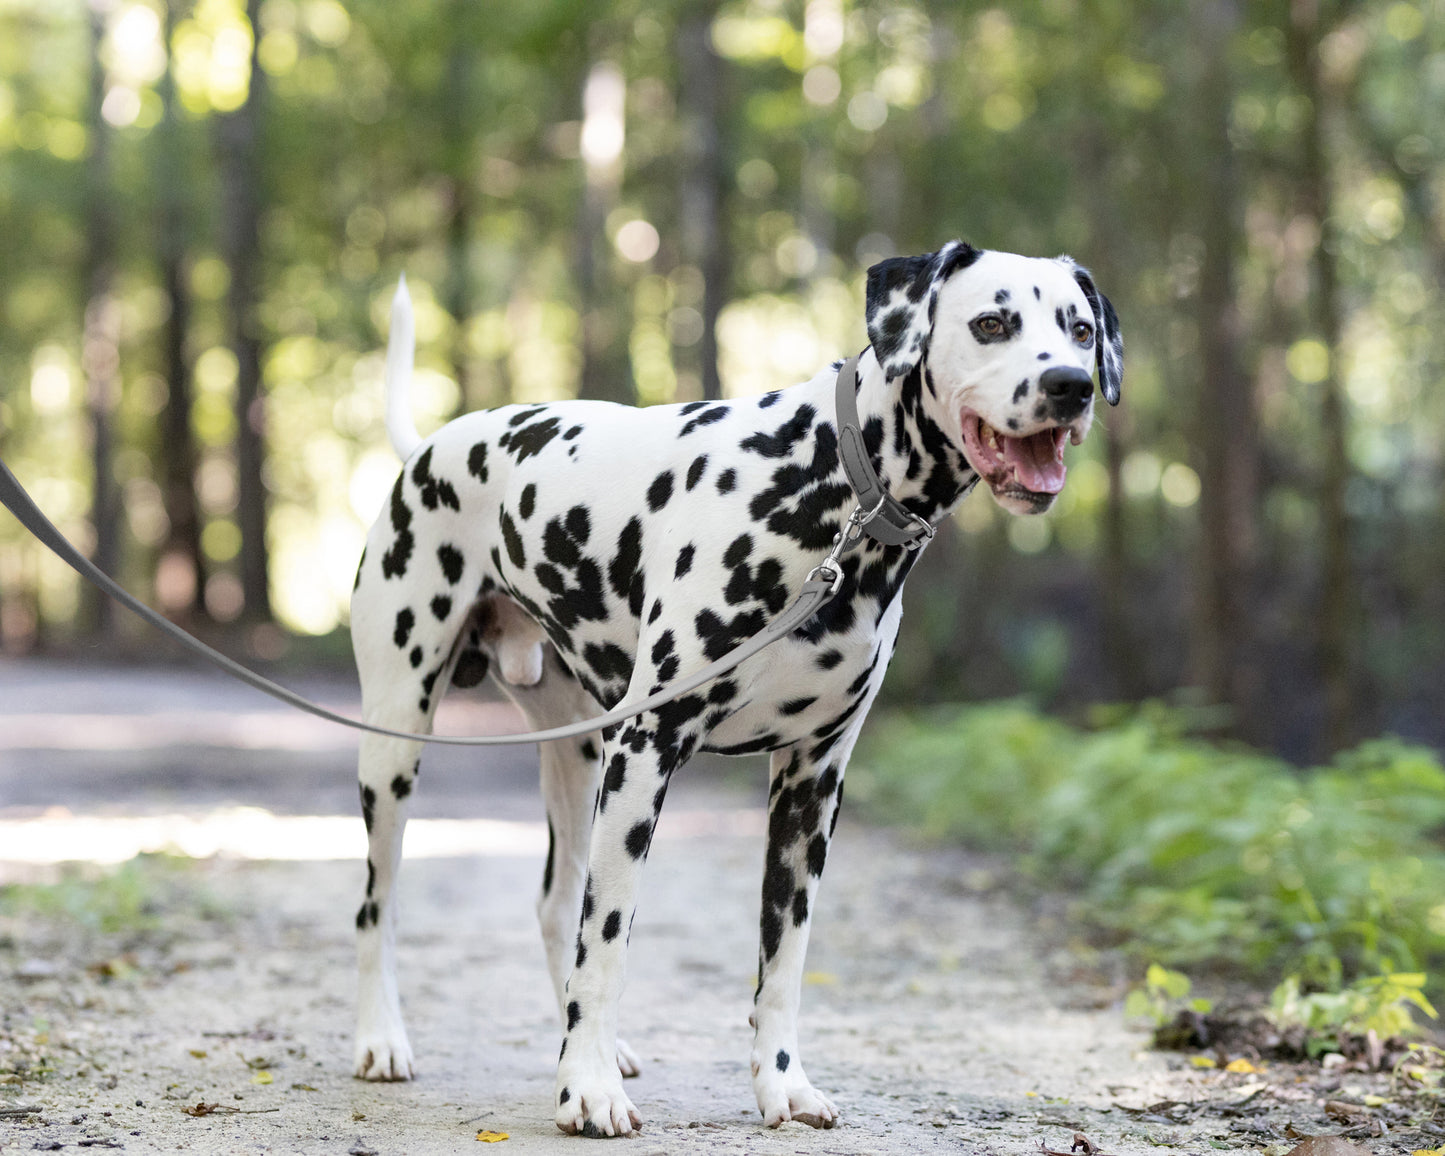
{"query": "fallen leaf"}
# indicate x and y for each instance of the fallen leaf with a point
(1240, 1065)
(302, 1088)
(262, 1077)
(1375, 1101)
(820, 978)
(1429, 1151)
(201, 1110)
(1203, 1062)
(492, 1137)
(199, 1053)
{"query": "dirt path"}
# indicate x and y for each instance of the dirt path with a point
(931, 1014)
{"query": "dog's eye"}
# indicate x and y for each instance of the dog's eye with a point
(1083, 332)
(990, 326)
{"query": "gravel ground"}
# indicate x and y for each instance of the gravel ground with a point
(939, 1013)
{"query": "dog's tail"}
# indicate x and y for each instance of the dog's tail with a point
(400, 355)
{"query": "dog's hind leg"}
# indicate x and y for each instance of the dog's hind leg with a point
(404, 659)
(388, 769)
(805, 790)
(570, 771)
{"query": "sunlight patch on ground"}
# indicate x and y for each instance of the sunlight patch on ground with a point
(253, 833)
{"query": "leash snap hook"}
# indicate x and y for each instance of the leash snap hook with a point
(860, 517)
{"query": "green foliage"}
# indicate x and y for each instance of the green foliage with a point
(1378, 1003)
(131, 898)
(1191, 853)
(1163, 994)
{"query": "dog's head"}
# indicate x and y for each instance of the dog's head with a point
(1008, 346)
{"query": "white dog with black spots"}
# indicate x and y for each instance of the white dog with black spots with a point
(586, 553)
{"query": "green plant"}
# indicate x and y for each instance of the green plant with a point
(1376, 1003)
(1162, 996)
(1186, 852)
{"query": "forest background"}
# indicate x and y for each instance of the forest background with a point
(205, 205)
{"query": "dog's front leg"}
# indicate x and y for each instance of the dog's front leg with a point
(637, 758)
(387, 772)
(805, 790)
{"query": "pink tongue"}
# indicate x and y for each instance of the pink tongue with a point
(1034, 462)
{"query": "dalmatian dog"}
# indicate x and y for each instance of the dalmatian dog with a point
(586, 554)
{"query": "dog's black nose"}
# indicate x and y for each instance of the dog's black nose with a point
(1067, 385)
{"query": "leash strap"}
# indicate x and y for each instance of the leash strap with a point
(888, 521)
(878, 514)
(821, 584)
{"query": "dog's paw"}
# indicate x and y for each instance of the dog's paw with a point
(384, 1056)
(784, 1096)
(595, 1106)
(627, 1062)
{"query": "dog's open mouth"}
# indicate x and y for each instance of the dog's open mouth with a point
(1032, 464)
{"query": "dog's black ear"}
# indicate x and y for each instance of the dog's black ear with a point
(1109, 344)
(902, 296)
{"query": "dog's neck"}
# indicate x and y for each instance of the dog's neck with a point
(916, 460)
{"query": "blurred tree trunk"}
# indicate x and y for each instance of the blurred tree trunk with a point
(100, 348)
(605, 365)
(459, 107)
(178, 444)
(704, 180)
(1226, 420)
(1339, 597)
(239, 135)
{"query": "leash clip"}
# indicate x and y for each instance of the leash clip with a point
(830, 569)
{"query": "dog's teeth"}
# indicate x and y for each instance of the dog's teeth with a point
(990, 437)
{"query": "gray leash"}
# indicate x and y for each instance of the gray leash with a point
(821, 584)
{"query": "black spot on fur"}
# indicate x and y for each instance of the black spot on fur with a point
(782, 1060)
(405, 620)
(768, 400)
(434, 491)
(589, 750)
(574, 1013)
(477, 462)
(367, 916)
(829, 659)
(566, 1093)
(393, 562)
(1021, 390)
(528, 501)
(797, 705)
(441, 606)
(660, 491)
(639, 838)
(415, 657)
(782, 440)
(368, 807)
(684, 560)
(530, 440)
(707, 417)
(551, 855)
(579, 524)
(513, 541)
(452, 562)
(581, 952)
(695, 471)
(727, 481)
(401, 786)
(817, 854)
(611, 925)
